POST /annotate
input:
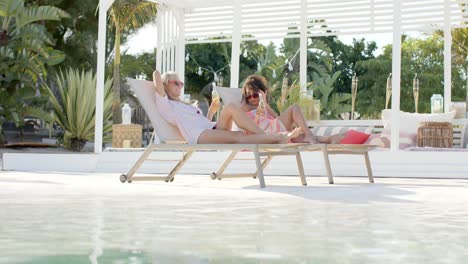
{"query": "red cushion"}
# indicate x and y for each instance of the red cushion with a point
(354, 137)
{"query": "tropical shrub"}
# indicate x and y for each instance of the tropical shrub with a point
(74, 107)
(25, 51)
(332, 102)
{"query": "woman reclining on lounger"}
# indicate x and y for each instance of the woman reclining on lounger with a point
(195, 127)
(255, 87)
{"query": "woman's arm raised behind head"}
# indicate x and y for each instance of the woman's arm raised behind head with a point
(158, 83)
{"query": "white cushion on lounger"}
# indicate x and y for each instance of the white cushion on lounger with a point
(230, 95)
(145, 92)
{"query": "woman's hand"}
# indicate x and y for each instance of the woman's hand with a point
(261, 109)
(268, 110)
(264, 96)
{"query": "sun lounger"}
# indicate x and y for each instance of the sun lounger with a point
(233, 95)
(168, 137)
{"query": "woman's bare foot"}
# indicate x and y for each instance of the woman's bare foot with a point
(293, 134)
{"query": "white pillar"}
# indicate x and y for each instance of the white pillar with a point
(447, 58)
(159, 54)
(236, 40)
(180, 52)
(101, 64)
(169, 42)
(303, 47)
(396, 75)
(165, 41)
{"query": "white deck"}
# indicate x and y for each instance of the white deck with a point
(384, 163)
(93, 218)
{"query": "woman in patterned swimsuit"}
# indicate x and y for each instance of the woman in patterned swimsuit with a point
(291, 119)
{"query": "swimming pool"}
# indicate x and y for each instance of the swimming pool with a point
(69, 219)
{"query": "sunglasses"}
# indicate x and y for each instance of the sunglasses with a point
(178, 83)
(254, 95)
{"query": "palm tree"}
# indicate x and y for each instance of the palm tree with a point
(126, 15)
(459, 46)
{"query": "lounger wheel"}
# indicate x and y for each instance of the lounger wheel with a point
(123, 178)
(213, 175)
(171, 180)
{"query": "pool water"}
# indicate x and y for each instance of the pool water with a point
(61, 221)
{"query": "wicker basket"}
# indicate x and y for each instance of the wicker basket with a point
(128, 133)
(435, 134)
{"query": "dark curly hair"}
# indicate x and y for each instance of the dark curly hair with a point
(256, 83)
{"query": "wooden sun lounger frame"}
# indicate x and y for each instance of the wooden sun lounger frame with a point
(259, 150)
(336, 149)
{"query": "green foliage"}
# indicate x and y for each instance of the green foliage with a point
(74, 104)
(286, 96)
(346, 57)
(136, 65)
(77, 35)
(331, 102)
(212, 56)
(25, 52)
(25, 46)
(421, 56)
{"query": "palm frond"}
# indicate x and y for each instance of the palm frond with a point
(132, 14)
(39, 113)
(9, 8)
(33, 45)
(35, 32)
(39, 13)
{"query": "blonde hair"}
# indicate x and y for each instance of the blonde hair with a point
(166, 77)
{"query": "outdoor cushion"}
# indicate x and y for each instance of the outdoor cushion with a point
(230, 95)
(354, 137)
(409, 122)
(325, 131)
(406, 139)
(374, 139)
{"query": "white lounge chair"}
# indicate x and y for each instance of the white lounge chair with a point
(168, 137)
(234, 95)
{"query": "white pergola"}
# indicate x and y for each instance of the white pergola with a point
(185, 22)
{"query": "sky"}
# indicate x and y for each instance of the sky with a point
(144, 40)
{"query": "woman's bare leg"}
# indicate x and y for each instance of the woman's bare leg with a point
(234, 113)
(216, 136)
(293, 116)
